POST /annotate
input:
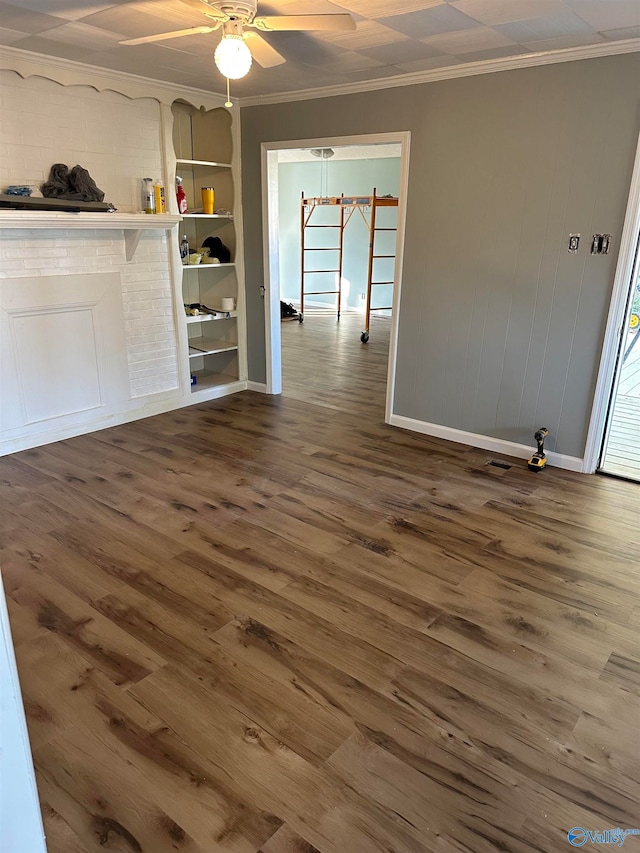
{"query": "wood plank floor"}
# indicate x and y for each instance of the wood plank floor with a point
(278, 625)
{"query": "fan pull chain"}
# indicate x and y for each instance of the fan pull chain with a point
(228, 104)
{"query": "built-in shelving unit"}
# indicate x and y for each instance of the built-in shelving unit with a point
(203, 146)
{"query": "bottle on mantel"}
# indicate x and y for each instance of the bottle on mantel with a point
(148, 196)
(181, 196)
(161, 204)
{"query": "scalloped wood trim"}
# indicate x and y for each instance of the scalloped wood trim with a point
(69, 73)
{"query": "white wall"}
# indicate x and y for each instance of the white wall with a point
(334, 177)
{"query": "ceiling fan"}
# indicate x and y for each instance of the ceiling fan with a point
(235, 51)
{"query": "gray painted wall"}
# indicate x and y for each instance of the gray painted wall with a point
(333, 177)
(500, 328)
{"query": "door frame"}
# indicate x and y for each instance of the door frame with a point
(616, 325)
(270, 230)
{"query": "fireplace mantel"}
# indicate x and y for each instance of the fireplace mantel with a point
(131, 223)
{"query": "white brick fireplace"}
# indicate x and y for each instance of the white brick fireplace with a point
(89, 325)
(85, 334)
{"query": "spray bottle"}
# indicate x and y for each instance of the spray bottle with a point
(181, 196)
(148, 196)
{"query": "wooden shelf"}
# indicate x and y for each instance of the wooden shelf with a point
(205, 266)
(209, 379)
(207, 318)
(203, 163)
(209, 346)
(207, 216)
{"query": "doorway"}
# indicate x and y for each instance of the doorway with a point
(621, 445)
(291, 168)
(613, 439)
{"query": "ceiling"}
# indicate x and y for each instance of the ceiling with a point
(393, 37)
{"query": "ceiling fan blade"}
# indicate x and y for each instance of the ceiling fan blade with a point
(192, 31)
(275, 23)
(262, 51)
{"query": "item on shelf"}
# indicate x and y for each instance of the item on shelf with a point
(23, 202)
(194, 258)
(148, 196)
(184, 249)
(16, 189)
(161, 202)
(217, 249)
(74, 185)
(197, 308)
(208, 200)
(206, 259)
(194, 379)
(181, 196)
(228, 303)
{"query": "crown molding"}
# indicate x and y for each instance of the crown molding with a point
(66, 72)
(452, 72)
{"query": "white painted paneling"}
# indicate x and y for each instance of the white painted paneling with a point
(56, 353)
(62, 347)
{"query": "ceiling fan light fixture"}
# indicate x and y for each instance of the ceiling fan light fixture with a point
(232, 56)
(322, 153)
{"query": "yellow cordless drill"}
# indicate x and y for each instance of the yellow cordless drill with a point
(539, 460)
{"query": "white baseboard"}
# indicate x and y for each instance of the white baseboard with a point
(260, 387)
(327, 306)
(137, 409)
(485, 442)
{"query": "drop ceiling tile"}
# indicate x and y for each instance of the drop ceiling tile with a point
(84, 36)
(70, 10)
(26, 21)
(468, 41)
(429, 64)
(369, 34)
(303, 47)
(495, 53)
(430, 22)
(405, 51)
(179, 75)
(546, 27)
(10, 36)
(624, 33)
(374, 74)
(349, 60)
(300, 7)
(609, 15)
(142, 19)
(494, 12)
(564, 43)
(38, 44)
(385, 8)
